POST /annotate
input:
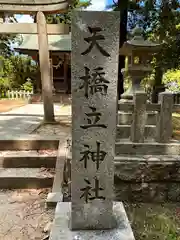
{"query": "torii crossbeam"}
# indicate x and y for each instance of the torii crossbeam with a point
(27, 6)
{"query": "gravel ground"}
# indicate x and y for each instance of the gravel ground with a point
(23, 215)
(61, 128)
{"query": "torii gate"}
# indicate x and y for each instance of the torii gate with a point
(40, 7)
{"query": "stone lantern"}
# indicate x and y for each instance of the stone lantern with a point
(140, 53)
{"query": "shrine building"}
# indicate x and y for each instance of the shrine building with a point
(60, 52)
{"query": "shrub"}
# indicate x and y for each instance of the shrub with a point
(27, 86)
(15, 71)
(171, 79)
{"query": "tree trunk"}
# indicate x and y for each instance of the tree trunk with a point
(158, 86)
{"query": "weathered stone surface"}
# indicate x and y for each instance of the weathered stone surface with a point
(30, 159)
(61, 231)
(29, 143)
(123, 131)
(125, 118)
(148, 168)
(139, 117)
(94, 100)
(164, 123)
(147, 192)
(147, 178)
(17, 178)
(147, 148)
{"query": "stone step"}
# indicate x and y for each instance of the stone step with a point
(28, 142)
(150, 148)
(125, 118)
(28, 159)
(23, 178)
(123, 131)
(147, 168)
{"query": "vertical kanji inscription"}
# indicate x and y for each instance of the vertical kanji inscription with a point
(93, 40)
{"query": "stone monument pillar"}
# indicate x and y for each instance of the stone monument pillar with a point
(95, 44)
(94, 98)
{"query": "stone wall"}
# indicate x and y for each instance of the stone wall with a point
(155, 181)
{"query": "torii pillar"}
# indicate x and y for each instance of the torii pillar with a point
(45, 68)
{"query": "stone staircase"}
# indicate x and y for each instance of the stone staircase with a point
(27, 162)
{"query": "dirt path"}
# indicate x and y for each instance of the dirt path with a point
(9, 104)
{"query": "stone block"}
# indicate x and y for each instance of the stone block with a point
(164, 123)
(95, 48)
(152, 192)
(147, 148)
(124, 131)
(25, 178)
(147, 168)
(61, 231)
(125, 118)
(139, 117)
(54, 197)
(28, 143)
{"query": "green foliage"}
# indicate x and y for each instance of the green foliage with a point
(172, 80)
(27, 86)
(4, 83)
(16, 71)
(7, 39)
(160, 21)
(6, 77)
(23, 68)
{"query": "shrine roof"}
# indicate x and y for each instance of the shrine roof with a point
(26, 6)
(56, 43)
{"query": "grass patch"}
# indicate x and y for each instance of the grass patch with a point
(154, 222)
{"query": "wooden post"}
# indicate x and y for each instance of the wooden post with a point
(139, 117)
(45, 68)
(164, 123)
